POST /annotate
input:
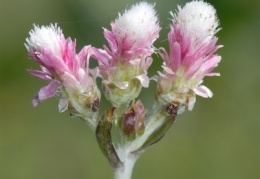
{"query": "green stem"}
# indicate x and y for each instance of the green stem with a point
(128, 160)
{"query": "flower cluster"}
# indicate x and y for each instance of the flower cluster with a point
(122, 67)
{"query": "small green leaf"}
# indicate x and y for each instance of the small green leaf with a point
(104, 138)
(168, 116)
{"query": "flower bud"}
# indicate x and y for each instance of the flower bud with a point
(133, 120)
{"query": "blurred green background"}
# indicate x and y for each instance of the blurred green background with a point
(219, 139)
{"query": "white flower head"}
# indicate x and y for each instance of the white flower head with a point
(199, 20)
(45, 37)
(138, 22)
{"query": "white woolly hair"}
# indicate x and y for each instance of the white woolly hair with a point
(138, 22)
(45, 37)
(199, 20)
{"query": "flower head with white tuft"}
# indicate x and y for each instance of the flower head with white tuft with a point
(68, 72)
(124, 66)
(192, 44)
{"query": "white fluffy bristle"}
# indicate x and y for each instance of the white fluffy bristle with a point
(198, 19)
(137, 22)
(45, 37)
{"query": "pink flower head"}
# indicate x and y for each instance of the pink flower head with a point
(130, 41)
(131, 45)
(192, 44)
(61, 65)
